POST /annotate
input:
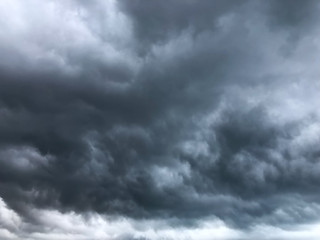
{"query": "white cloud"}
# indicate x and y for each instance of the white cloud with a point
(56, 34)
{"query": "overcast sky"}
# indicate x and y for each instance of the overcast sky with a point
(159, 119)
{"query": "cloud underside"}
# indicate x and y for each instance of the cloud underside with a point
(159, 119)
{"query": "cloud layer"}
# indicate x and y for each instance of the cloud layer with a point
(151, 119)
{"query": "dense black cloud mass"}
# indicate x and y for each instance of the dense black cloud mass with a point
(161, 110)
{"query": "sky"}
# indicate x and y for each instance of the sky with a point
(159, 120)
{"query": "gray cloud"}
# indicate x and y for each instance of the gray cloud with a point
(173, 112)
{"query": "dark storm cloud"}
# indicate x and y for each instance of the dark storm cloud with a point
(211, 120)
(292, 14)
(156, 22)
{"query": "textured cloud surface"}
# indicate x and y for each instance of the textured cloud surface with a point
(141, 119)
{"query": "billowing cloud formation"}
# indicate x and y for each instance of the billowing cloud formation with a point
(153, 119)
